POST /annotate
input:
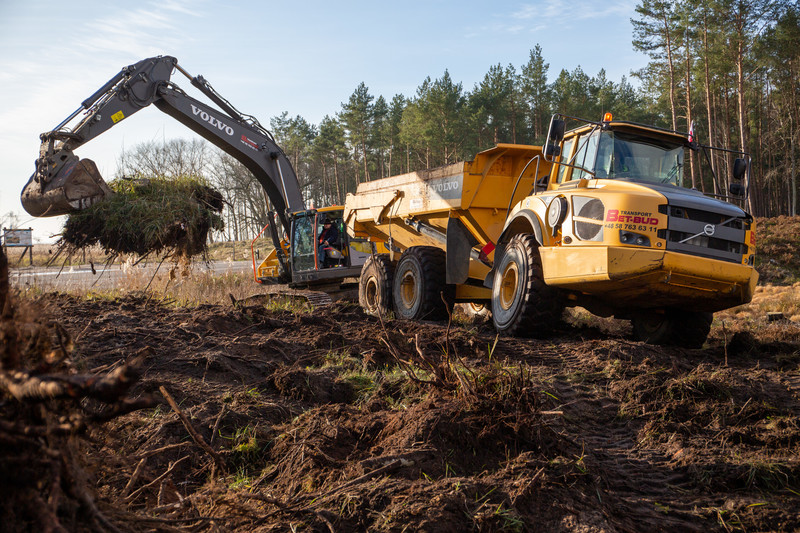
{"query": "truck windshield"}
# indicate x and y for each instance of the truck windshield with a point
(623, 155)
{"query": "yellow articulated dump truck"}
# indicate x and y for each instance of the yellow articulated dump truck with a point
(599, 217)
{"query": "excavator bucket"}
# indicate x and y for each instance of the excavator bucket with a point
(62, 185)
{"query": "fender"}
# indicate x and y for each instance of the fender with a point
(524, 221)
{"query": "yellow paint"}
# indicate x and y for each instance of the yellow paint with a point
(116, 117)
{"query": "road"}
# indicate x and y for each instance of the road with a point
(115, 276)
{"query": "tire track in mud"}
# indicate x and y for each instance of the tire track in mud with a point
(630, 481)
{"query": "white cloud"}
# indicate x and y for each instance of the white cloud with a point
(561, 11)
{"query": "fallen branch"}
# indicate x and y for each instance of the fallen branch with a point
(168, 471)
(388, 467)
(150, 453)
(217, 423)
(26, 387)
(198, 439)
(134, 477)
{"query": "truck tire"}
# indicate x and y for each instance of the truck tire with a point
(418, 283)
(375, 285)
(522, 303)
(688, 329)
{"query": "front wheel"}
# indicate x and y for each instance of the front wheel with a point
(688, 329)
(522, 303)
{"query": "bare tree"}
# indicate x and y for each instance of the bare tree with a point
(246, 202)
(168, 159)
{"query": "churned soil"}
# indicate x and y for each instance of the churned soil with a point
(777, 242)
(331, 420)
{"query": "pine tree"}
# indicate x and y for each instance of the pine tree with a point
(535, 91)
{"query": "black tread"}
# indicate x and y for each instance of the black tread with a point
(540, 307)
(688, 329)
(382, 269)
(431, 262)
(693, 328)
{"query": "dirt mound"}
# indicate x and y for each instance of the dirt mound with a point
(333, 422)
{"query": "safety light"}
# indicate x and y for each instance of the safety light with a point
(607, 117)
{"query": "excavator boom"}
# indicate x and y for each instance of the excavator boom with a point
(63, 183)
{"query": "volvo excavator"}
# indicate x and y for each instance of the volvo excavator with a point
(63, 183)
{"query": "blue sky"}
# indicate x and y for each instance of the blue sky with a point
(268, 57)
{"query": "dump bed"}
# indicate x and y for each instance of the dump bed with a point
(469, 197)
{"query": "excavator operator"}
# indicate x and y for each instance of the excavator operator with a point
(328, 240)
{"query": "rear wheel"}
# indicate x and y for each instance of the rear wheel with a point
(375, 285)
(419, 283)
(522, 303)
(688, 329)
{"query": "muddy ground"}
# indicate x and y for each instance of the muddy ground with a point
(329, 420)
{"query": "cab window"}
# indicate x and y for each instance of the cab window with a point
(585, 156)
(303, 249)
(565, 153)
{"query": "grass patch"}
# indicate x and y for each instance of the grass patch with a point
(363, 384)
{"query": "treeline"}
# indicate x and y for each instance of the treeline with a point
(372, 137)
(732, 68)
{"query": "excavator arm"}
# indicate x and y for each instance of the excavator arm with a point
(63, 183)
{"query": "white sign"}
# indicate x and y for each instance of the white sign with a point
(17, 237)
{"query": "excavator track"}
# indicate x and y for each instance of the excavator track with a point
(314, 298)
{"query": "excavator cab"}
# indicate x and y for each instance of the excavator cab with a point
(307, 269)
(62, 183)
(307, 229)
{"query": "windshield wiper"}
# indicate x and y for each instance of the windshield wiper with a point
(673, 172)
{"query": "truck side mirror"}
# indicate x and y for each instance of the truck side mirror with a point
(557, 129)
(555, 134)
(736, 189)
(739, 168)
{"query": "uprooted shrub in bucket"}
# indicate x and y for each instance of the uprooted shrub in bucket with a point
(150, 216)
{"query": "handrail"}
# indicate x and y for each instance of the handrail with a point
(253, 253)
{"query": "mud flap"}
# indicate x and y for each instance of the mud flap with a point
(76, 185)
(459, 247)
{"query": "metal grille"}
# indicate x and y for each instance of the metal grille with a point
(705, 233)
(588, 218)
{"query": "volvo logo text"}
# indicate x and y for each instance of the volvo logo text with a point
(709, 229)
(211, 120)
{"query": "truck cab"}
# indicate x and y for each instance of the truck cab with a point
(616, 229)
